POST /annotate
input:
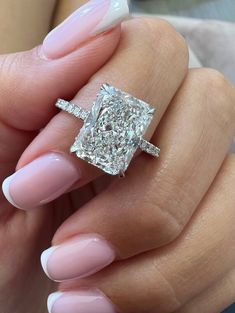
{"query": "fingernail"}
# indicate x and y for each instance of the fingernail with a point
(41, 181)
(79, 257)
(87, 301)
(91, 19)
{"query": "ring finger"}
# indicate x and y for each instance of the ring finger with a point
(164, 280)
(129, 69)
(152, 205)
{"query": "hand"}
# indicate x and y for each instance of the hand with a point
(169, 225)
(30, 82)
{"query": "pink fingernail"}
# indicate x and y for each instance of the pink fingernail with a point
(41, 181)
(91, 19)
(79, 257)
(87, 301)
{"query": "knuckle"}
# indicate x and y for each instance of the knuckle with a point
(6, 65)
(9, 84)
(174, 43)
(174, 40)
(164, 222)
(169, 211)
(11, 67)
(160, 33)
(219, 95)
(167, 293)
(212, 78)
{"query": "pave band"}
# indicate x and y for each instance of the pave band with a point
(113, 129)
(72, 108)
(81, 113)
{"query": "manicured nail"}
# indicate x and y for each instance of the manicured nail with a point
(41, 181)
(93, 18)
(87, 301)
(79, 257)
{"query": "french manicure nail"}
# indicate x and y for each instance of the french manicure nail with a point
(41, 181)
(79, 257)
(93, 18)
(85, 301)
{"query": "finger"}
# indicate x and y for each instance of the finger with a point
(34, 79)
(165, 68)
(157, 199)
(167, 278)
(215, 299)
(30, 83)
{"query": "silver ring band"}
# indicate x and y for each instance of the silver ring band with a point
(72, 108)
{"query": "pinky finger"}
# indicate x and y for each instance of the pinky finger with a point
(215, 299)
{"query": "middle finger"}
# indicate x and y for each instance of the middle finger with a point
(153, 204)
(151, 57)
(165, 279)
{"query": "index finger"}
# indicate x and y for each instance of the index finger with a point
(150, 51)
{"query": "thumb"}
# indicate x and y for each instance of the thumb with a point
(31, 81)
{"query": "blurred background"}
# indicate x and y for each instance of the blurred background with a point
(212, 9)
(25, 23)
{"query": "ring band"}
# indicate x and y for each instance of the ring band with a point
(81, 113)
(113, 130)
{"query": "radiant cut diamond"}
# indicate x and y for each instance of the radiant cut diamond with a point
(111, 133)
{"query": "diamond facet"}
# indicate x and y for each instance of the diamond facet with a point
(110, 135)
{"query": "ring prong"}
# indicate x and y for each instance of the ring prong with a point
(121, 174)
(152, 111)
(105, 86)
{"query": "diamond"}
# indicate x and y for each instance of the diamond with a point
(110, 135)
(70, 108)
(149, 148)
(62, 104)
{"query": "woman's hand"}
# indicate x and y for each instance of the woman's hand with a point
(30, 82)
(167, 228)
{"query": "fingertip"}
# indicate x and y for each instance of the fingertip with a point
(44, 259)
(53, 297)
(6, 191)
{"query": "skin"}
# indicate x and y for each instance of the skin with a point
(16, 33)
(186, 192)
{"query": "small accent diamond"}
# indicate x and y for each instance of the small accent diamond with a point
(149, 148)
(72, 109)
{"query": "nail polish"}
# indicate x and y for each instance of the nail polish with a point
(85, 301)
(79, 257)
(93, 18)
(41, 181)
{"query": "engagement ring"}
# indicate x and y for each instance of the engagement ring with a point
(113, 130)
